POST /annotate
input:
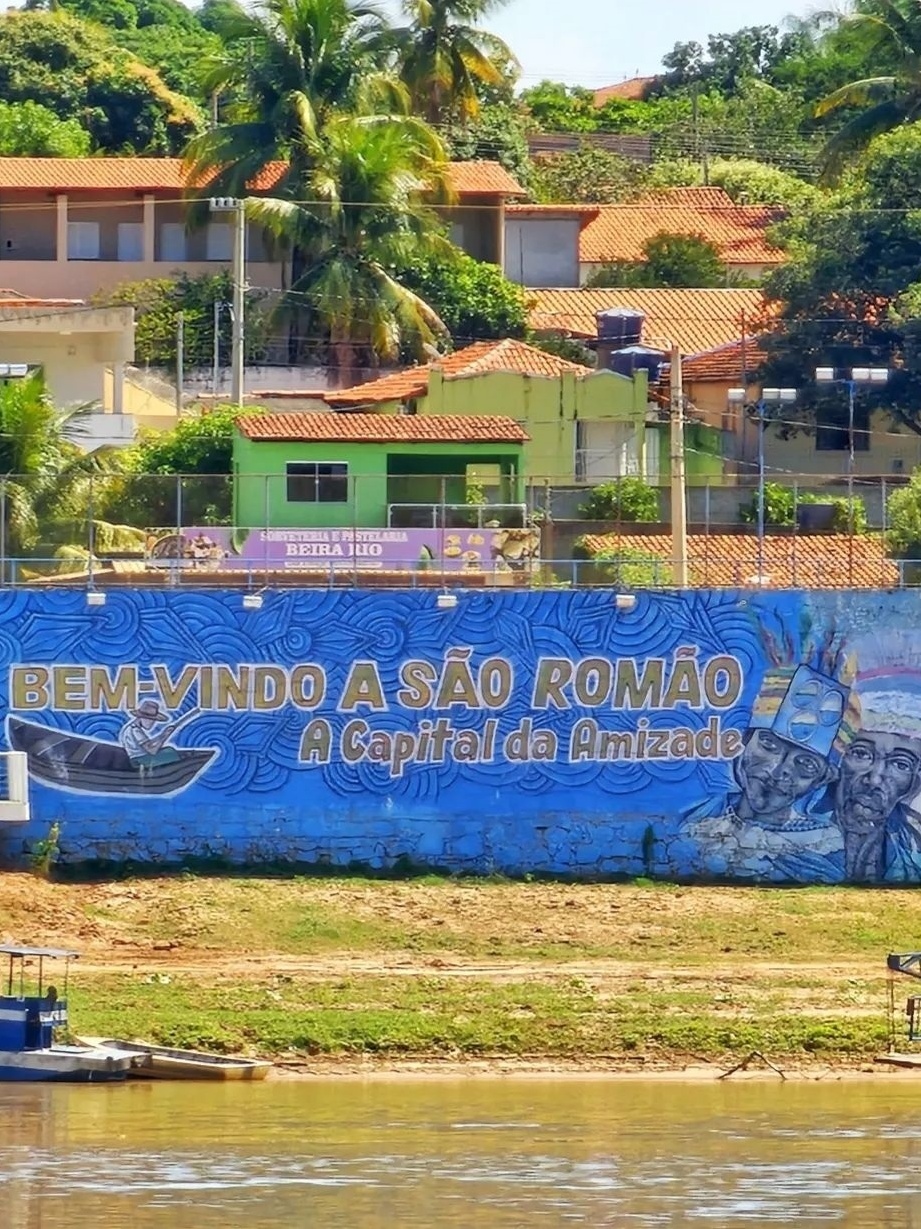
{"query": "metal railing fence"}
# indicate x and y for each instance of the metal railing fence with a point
(423, 529)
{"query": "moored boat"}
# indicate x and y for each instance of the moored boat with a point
(29, 1020)
(153, 1062)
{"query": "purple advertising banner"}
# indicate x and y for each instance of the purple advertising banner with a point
(218, 549)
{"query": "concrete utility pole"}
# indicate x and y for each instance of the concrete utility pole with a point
(180, 360)
(216, 357)
(239, 283)
(234, 206)
(679, 480)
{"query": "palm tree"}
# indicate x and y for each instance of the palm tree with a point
(313, 93)
(46, 481)
(289, 65)
(891, 30)
(444, 56)
(362, 214)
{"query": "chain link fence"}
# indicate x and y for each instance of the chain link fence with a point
(319, 524)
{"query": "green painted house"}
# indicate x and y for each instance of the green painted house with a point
(328, 470)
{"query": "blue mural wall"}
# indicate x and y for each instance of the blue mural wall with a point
(769, 736)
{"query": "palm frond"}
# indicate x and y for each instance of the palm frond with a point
(858, 133)
(858, 94)
(21, 523)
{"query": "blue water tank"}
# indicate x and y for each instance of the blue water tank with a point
(620, 326)
(637, 358)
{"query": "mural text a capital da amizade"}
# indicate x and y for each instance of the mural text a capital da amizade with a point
(762, 736)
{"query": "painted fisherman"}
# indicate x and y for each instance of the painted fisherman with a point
(146, 736)
(880, 779)
(764, 829)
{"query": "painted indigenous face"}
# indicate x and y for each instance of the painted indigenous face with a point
(774, 772)
(878, 772)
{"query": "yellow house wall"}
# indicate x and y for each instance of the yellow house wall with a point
(892, 452)
(148, 409)
(72, 365)
(547, 408)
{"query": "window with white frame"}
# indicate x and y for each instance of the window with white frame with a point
(317, 482)
(130, 241)
(219, 241)
(172, 241)
(82, 240)
(606, 449)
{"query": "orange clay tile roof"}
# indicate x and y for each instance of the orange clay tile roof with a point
(483, 178)
(109, 174)
(791, 561)
(168, 175)
(580, 210)
(382, 429)
(694, 320)
(724, 364)
(694, 197)
(478, 359)
(9, 299)
(634, 90)
(619, 232)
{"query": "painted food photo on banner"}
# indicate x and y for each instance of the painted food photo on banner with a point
(768, 737)
(490, 547)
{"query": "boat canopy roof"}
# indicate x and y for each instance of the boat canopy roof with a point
(55, 953)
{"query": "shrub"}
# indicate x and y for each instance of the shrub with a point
(624, 499)
(779, 506)
(781, 502)
(904, 517)
(632, 569)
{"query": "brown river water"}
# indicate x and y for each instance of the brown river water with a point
(446, 1153)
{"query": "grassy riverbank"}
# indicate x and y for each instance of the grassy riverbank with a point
(631, 974)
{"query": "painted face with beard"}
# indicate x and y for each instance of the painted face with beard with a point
(774, 772)
(878, 772)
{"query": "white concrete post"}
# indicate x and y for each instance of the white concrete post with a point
(118, 388)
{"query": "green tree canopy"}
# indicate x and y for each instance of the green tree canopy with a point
(588, 176)
(751, 53)
(851, 293)
(555, 107)
(29, 129)
(201, 444)
(670, 261)
(157, 303)
(746, 180)
(497, 134)
(77, 72)
(904, 519)
(178, 475)
(365, 214)
(164, 34)
(475, 300)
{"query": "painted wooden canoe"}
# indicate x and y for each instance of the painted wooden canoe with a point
(95, 766)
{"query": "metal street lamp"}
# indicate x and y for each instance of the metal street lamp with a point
(236, 207)
(761, 410)
(858, 376)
